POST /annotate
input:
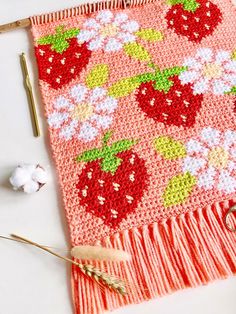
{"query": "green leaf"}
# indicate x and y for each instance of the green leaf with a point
(123, 87)
(137, 51)
(233, 90)
(59, 40)
(111, 164)
(189, 5)
(109, 161)
(174, 71)
(98, 76)
(169, 148)
(233, 57)
(146, 77)
(149, 34)
(45, 40)
(178, 189)
(90, 155)
(162, 78)
(121, 146)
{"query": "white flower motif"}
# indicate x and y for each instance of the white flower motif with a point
(211, 158)
(108, 31)
(210, 71)
(83, 113)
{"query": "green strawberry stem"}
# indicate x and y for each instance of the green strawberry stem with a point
(188, 5)
(161, 79)
(59, 40)
(107, 154)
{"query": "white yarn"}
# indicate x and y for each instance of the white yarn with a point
(29, 178)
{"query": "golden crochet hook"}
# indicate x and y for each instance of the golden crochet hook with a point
(29, 90)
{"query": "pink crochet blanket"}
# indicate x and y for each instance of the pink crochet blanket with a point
(140, 101)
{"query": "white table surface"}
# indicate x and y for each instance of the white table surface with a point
(32, 282)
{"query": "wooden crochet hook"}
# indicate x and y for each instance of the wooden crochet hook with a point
(29, 89)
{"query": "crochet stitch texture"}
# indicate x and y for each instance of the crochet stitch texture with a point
(140, 103)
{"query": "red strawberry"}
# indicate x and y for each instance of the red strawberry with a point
(176, 105)
(60, 57)
(112, 181)
(195, 19)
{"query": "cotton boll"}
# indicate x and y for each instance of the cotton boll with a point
(28, 177)
(40, 175)
(19, 177)
(31, 187)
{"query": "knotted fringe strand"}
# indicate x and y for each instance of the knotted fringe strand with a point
(185, 251)
(86, 8)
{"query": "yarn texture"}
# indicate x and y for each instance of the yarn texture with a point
(140, 102)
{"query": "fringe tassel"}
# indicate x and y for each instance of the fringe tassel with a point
(86, 8)
(184, 251)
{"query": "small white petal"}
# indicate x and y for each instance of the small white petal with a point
(120, 18)
(227, 183)
(193, 165)
(192, 64)
(233, 153)
(104, 16)
(113, 45)
(204, 54)
(87, 132)
(86, 35)
(40, 175)
(130, 26)
(31, 187)
(231, 66)
(188, 76)
(91, 23)
(61, 103)
(56, 119)
(96, 43)
(96, 94)
(206, 179)
(78, 92)
(231, 166)
(201, 86)
(109, 105)
(19, 177)
(102, 121)
(194, 146)
(210, 136)
(126, 37)
(222, 56)
(230, 78)
(68, 131)
(229, 139)
(220, 87)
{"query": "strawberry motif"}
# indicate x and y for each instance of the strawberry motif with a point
(60, 57)
(195, 19)
(173, 105)
(112, 181)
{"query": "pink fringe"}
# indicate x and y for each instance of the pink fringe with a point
(185, 251)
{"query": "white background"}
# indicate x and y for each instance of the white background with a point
(32, 282)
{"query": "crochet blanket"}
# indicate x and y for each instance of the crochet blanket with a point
(140, 100)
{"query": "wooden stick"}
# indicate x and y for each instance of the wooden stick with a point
(15, 25)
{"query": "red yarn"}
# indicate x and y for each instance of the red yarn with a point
(176, 107)
(186, 23)
(113, 196)
(58, 69)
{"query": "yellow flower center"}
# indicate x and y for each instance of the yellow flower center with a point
(212, 71)
(218, 158)
(82, 112)
(109, 30)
